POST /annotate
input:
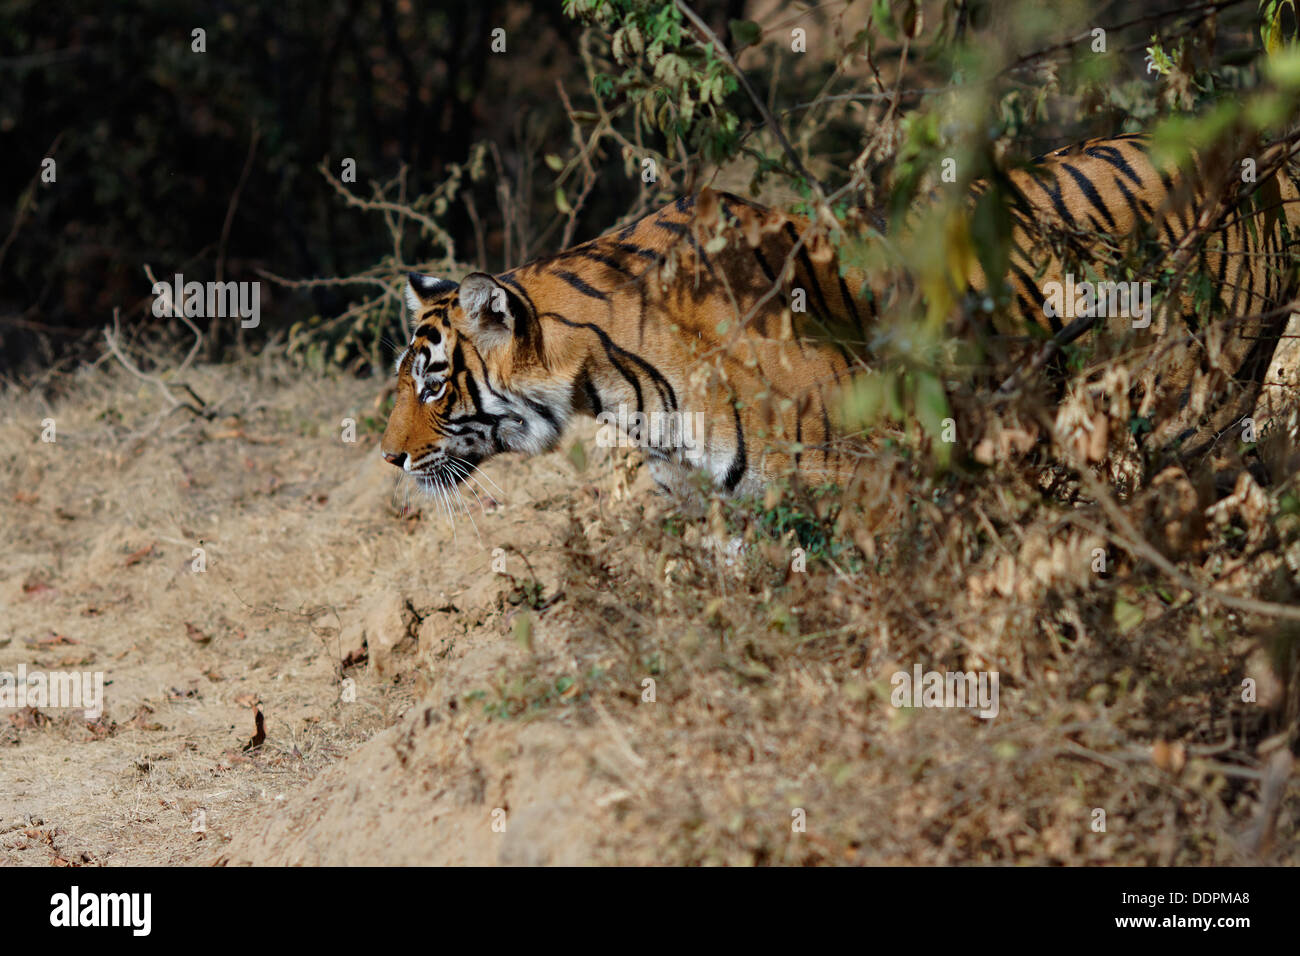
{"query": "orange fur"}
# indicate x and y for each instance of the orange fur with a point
(688, 311)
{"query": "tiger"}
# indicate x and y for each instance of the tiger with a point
(743, 317)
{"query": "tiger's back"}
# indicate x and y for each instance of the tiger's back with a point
(717, 310)
(1101, 197)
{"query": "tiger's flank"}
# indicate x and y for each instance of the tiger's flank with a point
(694, 310)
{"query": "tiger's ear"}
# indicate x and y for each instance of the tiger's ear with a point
(420, 289)
(487, 305)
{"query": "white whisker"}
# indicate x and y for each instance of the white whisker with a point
(468, 514)
(459, 469)
(476, 470)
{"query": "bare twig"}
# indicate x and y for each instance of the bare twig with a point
(1204, 9)
(1127, 537)
(176, 309)
(588, 173)
(199, 407)
(234, 204)
(25, 203)
(427, 223)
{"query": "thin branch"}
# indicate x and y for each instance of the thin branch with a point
(757, 100)
(234, 203)
(175, 309)
(1205, 9)
(113, 340)
(1128, 538)
(25, 202)
(374, 205)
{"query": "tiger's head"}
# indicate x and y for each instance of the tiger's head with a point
(472, 383)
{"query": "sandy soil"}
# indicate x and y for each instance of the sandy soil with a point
(308, 559)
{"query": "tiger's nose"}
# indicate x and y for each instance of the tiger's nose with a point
(397, 458)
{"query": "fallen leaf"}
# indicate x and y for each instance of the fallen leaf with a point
(54, 640)
(259, 732)
(36, 585)
(135, 557)
(28, 718)
(195, 635)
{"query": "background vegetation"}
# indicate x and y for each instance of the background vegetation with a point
(214, 164)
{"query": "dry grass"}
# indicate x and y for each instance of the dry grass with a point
(1118, 692)
(526, 691)
(100, 528)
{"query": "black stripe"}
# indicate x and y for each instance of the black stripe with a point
(702, 256)
(1034, 312)
(1054, 194)
(737, 469)
(853, 308)
(608, 261)
(544, 410)
(1167, 181)
(1271, 240)
(1017, 252)
(1249, 269)
(826, 432)
(581, 286)
(1223, 263)
(588, 388)
(667, 394)
(630, 249)
(1090, 191)
(763, 264)
(1113, 156)
(1131, 200)
(793, 235)
(798, 435)
(676, 228)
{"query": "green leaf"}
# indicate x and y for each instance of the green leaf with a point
(554, 162)
(991, 232)
(931, 410)
(745, 32)
(1127, 616)
(578, 455)
(1283, 68)
(881, 16)
(1159, 58)
(523, 629)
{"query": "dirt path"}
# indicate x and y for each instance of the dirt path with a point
(303, 552)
